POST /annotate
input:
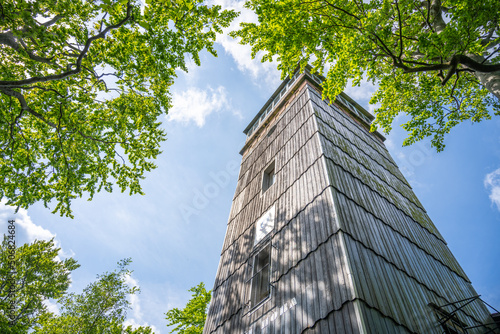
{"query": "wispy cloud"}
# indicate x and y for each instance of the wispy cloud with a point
(195, 105)
(134, 298)
(31, 231)
(135, 304)
(492, 183)
(135, 325)
(260, 72)
(26, 230)
(52, 307)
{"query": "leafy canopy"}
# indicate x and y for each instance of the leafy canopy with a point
(36, 274)
(82, 86)
(101, 307)
(191, 319)
(32, 276)
(437, 61)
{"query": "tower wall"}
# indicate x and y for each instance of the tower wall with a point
(351, 248)
(400, 261)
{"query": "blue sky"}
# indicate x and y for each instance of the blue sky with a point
(174, 233)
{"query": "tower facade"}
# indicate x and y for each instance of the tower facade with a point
(325, 235)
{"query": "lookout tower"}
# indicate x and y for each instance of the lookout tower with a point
(325, 235)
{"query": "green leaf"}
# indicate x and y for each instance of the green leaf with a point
(70, 130)
(395, 45)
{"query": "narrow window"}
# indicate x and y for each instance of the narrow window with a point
(261, 275)
(268, 177)
(271, 130)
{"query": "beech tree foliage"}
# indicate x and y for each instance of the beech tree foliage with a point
(100, 309)
(36, 275)
(437, 61)
(27, 280)
(191, 319)
(82, 86)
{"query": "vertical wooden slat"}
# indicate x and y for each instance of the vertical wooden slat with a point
(349, 231)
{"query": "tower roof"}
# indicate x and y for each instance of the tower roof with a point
(287, 88)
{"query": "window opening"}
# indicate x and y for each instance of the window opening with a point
(271, 130)
(277, 99)
(268, 177)
(269, 108)
(260, 276)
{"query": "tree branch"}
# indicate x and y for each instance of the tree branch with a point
(52, 21)
(400, 32)
(425, 17)
(8, 38)
(476, 66)
(453, 88)
(491, 54)
(102, 34)
(487, 38)
(99, 140)
(45, 90)
(24, 105)
(454, 62)
(453, 68)
(342, 10)
(34, 56)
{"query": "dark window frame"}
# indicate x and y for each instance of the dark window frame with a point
(260, 280)
(269, 176)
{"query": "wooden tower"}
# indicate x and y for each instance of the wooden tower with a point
(325, 235)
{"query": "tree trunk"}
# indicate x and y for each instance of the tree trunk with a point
(491, 81)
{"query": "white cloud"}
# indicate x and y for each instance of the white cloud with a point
(194, 105)
(51, 306)
(262, 73)
(362, 93)
(135, 325)
(33, 232)
(492, 183)
(193, 71)
(135, 304)
(134, 299)
(28, 231)
(389, 143)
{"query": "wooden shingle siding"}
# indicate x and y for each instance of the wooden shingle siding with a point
(299, 175)
(376, 322)
(400, 296)
(353, 250)
(353, 144)
(400, 260)
(381, 206)
(363, 223)
(351, 127)
(354, 158)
